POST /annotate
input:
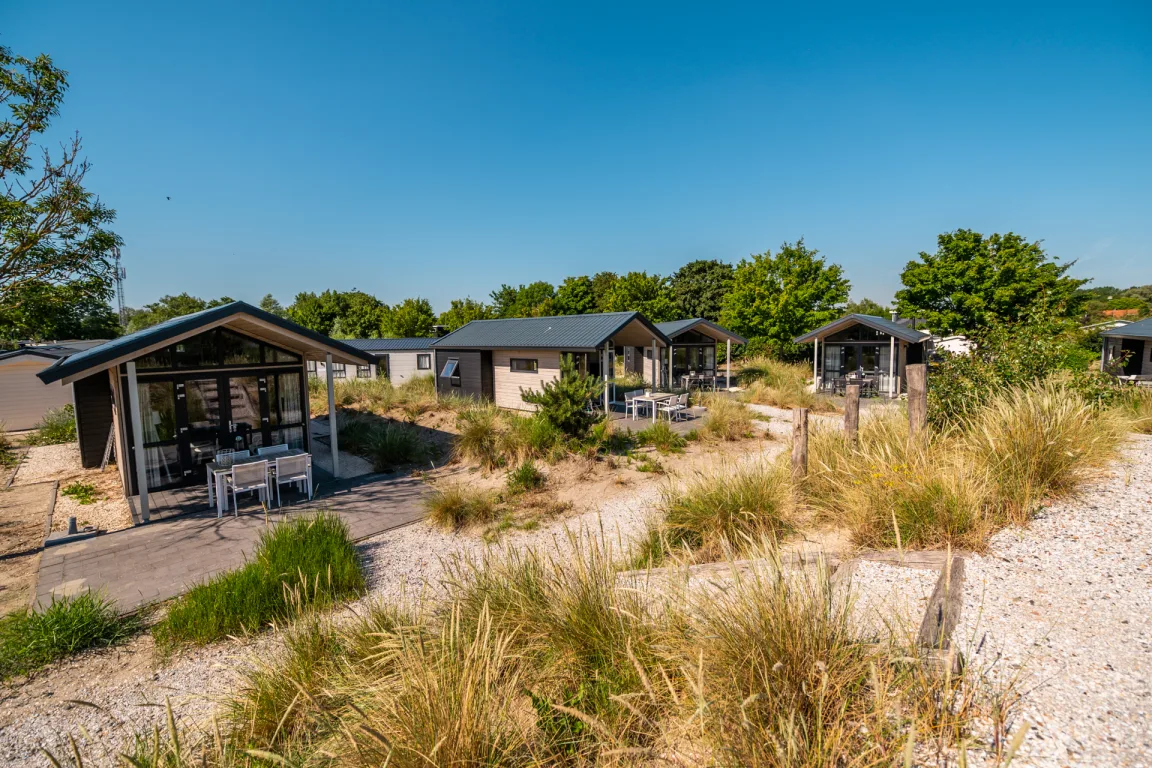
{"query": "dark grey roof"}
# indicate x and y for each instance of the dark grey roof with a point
(674, 327)
(156, 334)
(391, 345)
(561, 332)
(1141, 329)
(877, 323)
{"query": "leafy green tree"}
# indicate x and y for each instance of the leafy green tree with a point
(52, 229)
(318, 312)
(463, 311)
(270, 305)
(973, 281)
(643, 293)
(362, 316)
(867, 307)
(411, 317)
(564, 401)
(575, 296)
(533, 300)
(699, 287)
(169, 307)
(49, 312)
(602, 284)
(776, 298)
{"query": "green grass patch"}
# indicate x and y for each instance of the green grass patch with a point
(84, 493)
(31, 639)
(308, 562)
(525, 477)
(454, 506)
(57, 426)
(661, 437)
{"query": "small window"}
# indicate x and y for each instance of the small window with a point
(311, 367)
(451, 369)
(524, 365)
(338, 371)
(382, 371)
(424, 362)
(363, 371)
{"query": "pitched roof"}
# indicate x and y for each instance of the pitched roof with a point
(391, 345)
(674, 327)
(881, 324)
(561, 332)
(105, 354)
(1141, 329)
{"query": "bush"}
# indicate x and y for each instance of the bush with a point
(525, 477)
(564, 402)
(31, 639)
(478, 436)
(303, 563)
(57, 426)
(726, 419)
(531, 437)
(394, 445)
(455, 506)
(661, 437)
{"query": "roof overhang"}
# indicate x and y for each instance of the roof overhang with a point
(904, 334)
(709, 328)
(1140, 329)
(22, 355)
(238, 316)
(634, 330)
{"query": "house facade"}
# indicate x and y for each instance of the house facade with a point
(25, 399)
(693, 350)
(1127, 350)
(864, 346)
(398, 360)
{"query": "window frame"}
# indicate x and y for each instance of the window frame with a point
(535, 362)
(339, 371)
(424, 361)
(364, 371)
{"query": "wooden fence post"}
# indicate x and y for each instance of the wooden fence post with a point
(917, 397)
(799, 443)
(852, 412)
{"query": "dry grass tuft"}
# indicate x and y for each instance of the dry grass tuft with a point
(726, 419)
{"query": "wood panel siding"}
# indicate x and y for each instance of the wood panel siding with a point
(402, 366)
(25, 398)
(507, 383)
(471, 368)
(93, 417)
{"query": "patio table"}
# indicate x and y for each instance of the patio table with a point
(652, 400)
(220, 469)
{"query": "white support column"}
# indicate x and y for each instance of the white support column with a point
(604, 373)
(815, 357)
(332, 426)
(655, 367)
(728, 365)
(138, 441)
(671, 384)
(892, 392)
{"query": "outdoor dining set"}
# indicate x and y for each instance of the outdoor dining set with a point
(671, 405)
(871, 383)
(243, 471)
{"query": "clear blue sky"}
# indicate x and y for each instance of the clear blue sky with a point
(436, 149)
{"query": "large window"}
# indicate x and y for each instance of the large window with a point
(215, 348)
(524, 365)
(363, 371)
(424, 362)
(382, 370)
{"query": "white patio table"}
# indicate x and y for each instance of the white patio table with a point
(221, 468)
(652, 399)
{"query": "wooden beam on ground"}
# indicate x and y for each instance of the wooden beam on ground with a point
(943, 613)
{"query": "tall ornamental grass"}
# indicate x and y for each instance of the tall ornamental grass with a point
(31, 639)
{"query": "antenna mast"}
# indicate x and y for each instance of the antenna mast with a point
(119, 275)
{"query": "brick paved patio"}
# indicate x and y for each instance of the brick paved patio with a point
(160, 560)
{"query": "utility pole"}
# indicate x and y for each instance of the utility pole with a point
(119, 274)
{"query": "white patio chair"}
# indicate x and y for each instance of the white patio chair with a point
(272, 450)
(675, 406)
(220, 455)
(630, 404)
(295, 470)
(248, 477)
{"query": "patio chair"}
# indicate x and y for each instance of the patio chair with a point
(630, 404)
(272, 450)
(294, 470)
(675, 406)
(248, 477)
(220, 456)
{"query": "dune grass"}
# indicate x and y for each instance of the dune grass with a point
(31, 639)
(726, 418)
(525, 477)
(661, 437)
(454, 506)
(1136, 407)
(300, 564)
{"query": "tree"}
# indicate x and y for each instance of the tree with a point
(575, 296)
(533, 300)
(51, 227)
(643, 293)
(698, 288)
(776, 298)
(463, 311)
(169, 307)
(411, 317)
(318, 312)
(973, 282)
(46, 311)
(270, 305)
(361, 316)
(867, 307)
(602, 283)
(564, 402)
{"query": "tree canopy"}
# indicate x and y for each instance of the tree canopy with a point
(867, 307)
(411, 317)
(532, 300)
(271, 305)
(463, 311)
(698, 288)
(46, 311)
(972, 282)
(575, 296)
(643, 293)
(169, 307)
(776, 298)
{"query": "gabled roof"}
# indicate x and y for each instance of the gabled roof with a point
(881, 324)
(575, 332)
(391, 345)
(283, 332)
(673, 328)
(1141, 329)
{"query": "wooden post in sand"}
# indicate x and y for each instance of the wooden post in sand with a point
(852, 412)
(917, 375)
(799, 443)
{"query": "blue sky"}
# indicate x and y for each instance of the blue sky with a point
(439, 149)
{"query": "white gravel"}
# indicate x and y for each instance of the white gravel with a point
(889, 601)
(1065, 608)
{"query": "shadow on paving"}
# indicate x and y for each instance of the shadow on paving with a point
(161, 559)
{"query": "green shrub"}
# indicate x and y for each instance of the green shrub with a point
(356, 432)
(564, 402)
(478, 435)
(394, 445)
(454, 506)
(661, 437)
(7, 455)
(525, 477)
(531, 437)
(299, 564)
(31, 639)
(84, 493)
(57, 426)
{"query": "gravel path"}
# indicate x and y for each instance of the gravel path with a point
(1065, 606)
(61, 462)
